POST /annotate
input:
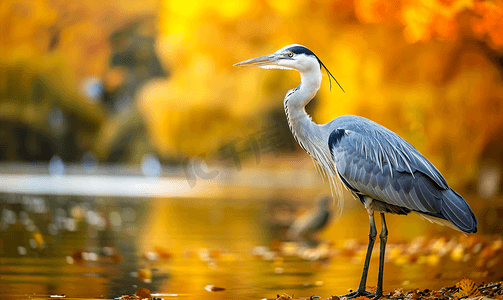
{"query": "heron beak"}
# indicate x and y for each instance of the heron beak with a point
(270, 59)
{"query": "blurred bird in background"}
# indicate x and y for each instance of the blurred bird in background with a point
(305, 228)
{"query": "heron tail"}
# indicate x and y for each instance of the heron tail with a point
(455, 209)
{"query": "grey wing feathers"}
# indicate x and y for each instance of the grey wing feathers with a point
(383, 146)
(385, 167)
(456, 210)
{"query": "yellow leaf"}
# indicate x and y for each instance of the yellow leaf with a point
(467, 288)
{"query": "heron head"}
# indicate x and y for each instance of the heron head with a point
(292, 57)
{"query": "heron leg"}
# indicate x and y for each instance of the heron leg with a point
(360, 291)
(383, 236)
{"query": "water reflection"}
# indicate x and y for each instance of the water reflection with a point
(108, 247)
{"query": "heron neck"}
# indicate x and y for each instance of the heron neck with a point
(313, 138)
(310, 83)
(303, 128)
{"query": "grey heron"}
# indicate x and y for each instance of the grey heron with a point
(381, 169)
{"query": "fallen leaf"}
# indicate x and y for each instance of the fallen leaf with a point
(143, 293)
(466, 288)
(212, 288)
(437, 295)
(163, 253)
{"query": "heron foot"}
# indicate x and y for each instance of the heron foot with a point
(357, 293)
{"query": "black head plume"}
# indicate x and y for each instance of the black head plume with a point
(298, 49)
(330, 75)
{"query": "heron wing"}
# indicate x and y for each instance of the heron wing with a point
(380, 164)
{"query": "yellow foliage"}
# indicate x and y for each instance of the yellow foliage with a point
(458, 253)
(286, 8)
(407, 82)
(425, 20)
(232, 9)
(39, 240)
(21, 22)
(443, 96)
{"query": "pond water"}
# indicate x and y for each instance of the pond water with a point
(105, 247)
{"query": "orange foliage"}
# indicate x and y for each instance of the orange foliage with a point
(425, 20)
(443, 96)
(384, 71)
(489, 22)
(429, 19)
(76, 31)
(377, 11)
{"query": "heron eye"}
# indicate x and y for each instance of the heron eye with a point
(290, 54)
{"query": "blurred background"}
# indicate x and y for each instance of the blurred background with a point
(125, 130)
